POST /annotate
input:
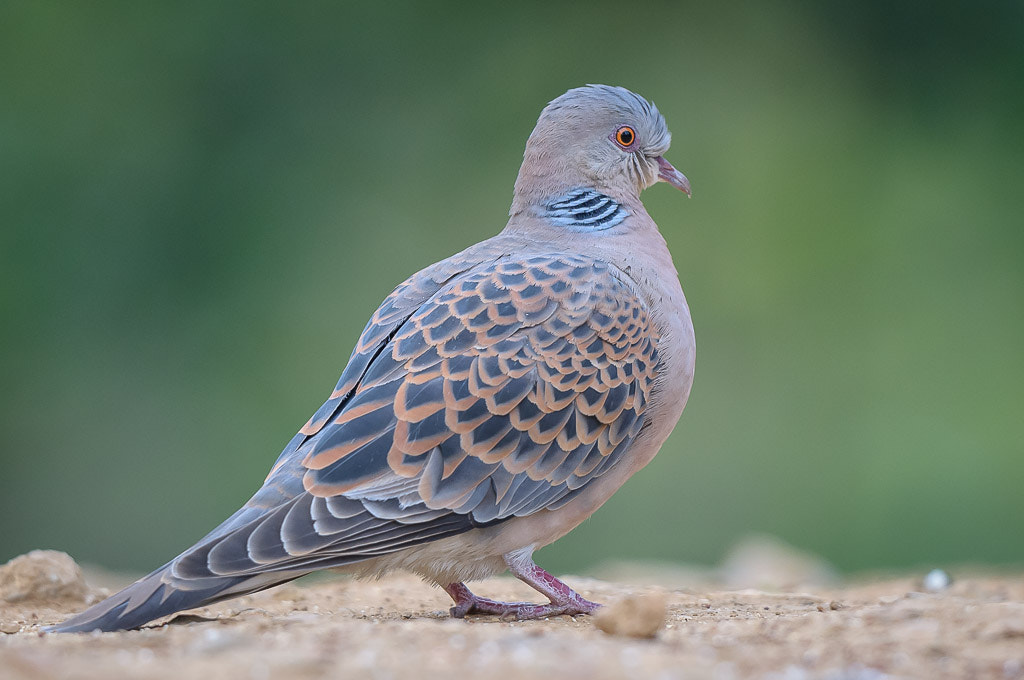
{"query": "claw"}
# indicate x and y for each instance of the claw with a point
(563, 599)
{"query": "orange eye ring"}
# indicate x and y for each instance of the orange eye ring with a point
(625, 137)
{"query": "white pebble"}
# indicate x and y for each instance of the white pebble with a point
(936, 581)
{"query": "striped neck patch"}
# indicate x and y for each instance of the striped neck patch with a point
(585, 209)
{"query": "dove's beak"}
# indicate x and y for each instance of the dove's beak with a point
(667, 173)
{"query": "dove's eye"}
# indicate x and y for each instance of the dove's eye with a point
(625, 136)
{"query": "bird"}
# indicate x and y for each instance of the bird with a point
(494, 400)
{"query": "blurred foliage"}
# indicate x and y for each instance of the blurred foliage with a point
(202, 203)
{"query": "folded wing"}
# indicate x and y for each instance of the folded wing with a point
(502, 394)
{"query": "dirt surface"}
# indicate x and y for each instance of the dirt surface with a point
(399, 628)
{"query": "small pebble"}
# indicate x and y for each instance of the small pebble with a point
(936, 581)
(637, 616)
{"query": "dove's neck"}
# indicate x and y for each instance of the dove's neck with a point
(581, 209)
(552, 176)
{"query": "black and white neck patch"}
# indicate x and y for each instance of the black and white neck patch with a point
(585, 209)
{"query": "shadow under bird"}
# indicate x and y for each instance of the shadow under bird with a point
(493, 402)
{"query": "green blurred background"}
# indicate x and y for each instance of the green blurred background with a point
(201, 203)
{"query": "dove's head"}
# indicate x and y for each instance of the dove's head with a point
(600, 137)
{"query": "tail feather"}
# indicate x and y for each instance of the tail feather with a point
(153, 597)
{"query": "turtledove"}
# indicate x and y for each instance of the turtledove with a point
(493, 402)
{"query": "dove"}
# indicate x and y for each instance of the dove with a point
(494, 400)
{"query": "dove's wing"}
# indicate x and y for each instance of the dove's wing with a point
(500, 394)
(503, 394)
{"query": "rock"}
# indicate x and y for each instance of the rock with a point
(766, 563)
(637, 616)
(42, 575)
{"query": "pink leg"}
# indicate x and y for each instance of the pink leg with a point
(564, 600)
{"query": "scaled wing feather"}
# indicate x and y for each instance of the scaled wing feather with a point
(478, 392)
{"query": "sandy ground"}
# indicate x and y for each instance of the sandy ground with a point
(399, 628)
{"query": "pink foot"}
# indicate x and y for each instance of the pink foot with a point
(564, 600)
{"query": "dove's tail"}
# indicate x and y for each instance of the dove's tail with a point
(156, 595)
